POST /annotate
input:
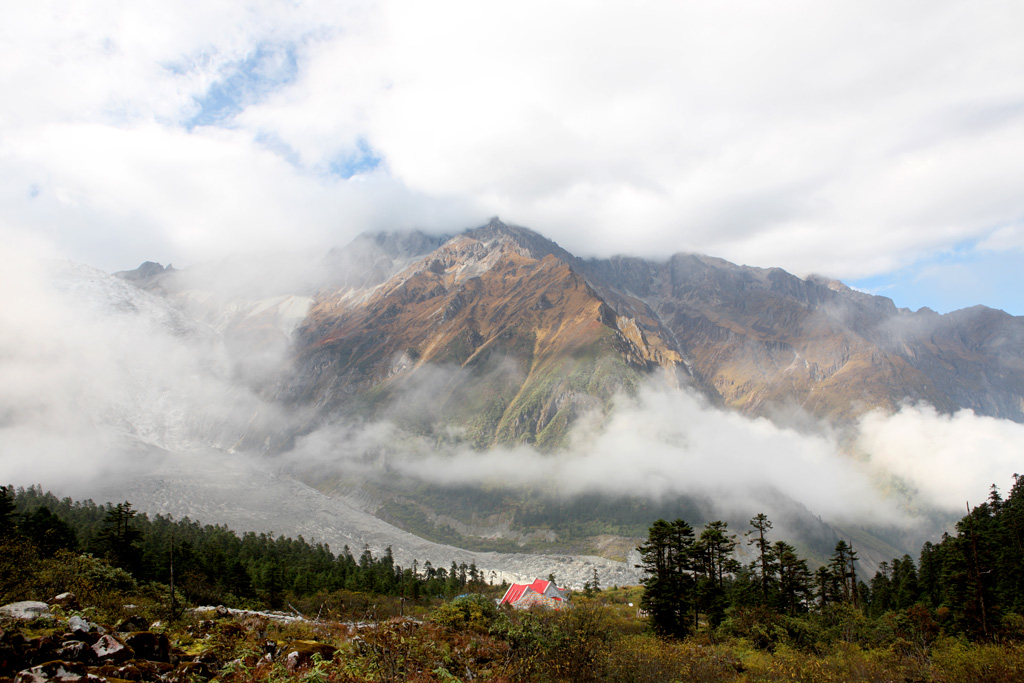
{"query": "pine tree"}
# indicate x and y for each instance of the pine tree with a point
(1009, 572)
(827, 586)
(453, 579)
(843, 569)
(712, 562)
(905, 591)
(979, 565)
(49, 532)
(8, 512)
(794, 586)
(714, 549)
(667, 559)
(929, 574)
(761, 525)
(880, 600)
(119, 539)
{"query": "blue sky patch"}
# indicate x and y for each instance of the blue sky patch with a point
(954, 280)
(245, 83)
(362, 159)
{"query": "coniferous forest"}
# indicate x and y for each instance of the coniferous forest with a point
(213, 564)
(954, 613)
(970, 584)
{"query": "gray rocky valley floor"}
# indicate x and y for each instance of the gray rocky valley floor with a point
(245, 495)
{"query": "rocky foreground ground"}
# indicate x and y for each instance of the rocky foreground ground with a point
(51, 642)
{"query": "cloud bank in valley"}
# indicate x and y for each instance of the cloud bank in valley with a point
(666, 443)
(99, 381)
(950, 459)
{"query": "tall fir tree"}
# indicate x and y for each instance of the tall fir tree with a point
(794, 584)
(119, 539)
(761, 525)
(842, 567)
(8, 512)
(667, 560)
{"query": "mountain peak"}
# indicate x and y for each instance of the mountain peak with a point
(506, 307)
(149, 276)
(148, 269)
(750, 338)
(533, 243)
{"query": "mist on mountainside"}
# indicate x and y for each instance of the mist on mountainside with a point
(101, 382)
(98, 377)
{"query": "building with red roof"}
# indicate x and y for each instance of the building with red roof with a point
(540, 592)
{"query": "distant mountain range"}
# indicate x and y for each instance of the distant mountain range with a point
(539, 336)
(498, 337)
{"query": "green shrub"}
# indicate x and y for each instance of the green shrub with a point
(954, 661)
(473, 612)
(19, 561)
(647, 659)
(565, 645)
(761, 627)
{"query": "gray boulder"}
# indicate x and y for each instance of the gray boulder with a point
(79, 625)
(131, 624)
(76, 651)
(65, 600)
(149, 645)
(26, 610)
(108, 650)
(55, 671)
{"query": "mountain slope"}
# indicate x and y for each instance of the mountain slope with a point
(400, 350)
(765, 340)
(506, 337)
(530, 337)
(527, 343)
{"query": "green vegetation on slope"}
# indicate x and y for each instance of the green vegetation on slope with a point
(969, 585)
(954, 617)
(212, 564)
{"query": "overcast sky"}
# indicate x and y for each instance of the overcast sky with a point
(880, 143)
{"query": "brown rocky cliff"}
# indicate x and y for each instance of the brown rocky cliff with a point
(528, 342)
(531, 336)
(765, 340)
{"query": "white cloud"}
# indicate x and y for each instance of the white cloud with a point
(1005, 238)
(849, 140)
(950, 459)
(667, 443)
(186, 196)
(765, 135)
(95, 375)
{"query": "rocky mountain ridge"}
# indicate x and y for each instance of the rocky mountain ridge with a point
(497, 338)
(758, 340)
(543, 336)
(764, 338)
(533, 343)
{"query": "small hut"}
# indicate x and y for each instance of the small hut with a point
(540, 592)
